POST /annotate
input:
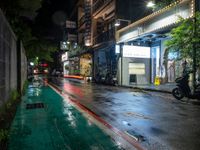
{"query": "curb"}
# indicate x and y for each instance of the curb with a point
(148, 89)
(154, 90)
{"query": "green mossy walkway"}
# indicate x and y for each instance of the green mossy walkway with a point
(57, 126)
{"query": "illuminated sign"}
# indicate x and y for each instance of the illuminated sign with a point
(117, 49)
(136, 51)
(65, 56)
(44, 65)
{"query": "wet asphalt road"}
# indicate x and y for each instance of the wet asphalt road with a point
(159, 120)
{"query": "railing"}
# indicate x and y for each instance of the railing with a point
(104, 37)
(81, 21)
(99, 3)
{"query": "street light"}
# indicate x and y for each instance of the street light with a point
(150, 4)
(118, 21)
(32, 63)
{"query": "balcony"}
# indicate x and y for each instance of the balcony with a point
(104, 37)
(99, 4)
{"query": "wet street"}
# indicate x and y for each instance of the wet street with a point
(156, 120)
(47, 121)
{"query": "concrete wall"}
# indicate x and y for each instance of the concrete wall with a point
(23, 67)
(9, 60)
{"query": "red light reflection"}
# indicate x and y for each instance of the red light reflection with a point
(73, 89)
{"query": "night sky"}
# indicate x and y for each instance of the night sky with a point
(51, 17)
(53, 13)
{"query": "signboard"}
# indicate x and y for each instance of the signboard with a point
(136, 51)
(117, 49)
(137, 68)
(65, 56)
(70, 24)
(66, 68)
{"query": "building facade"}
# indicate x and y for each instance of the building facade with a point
(105, 15)
(83, 56)
(142, 45)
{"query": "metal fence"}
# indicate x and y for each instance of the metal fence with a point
(10, 70)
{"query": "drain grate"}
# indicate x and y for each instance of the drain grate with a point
(35, 105)
(136, 135)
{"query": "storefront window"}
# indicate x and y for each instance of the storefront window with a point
(86, 65)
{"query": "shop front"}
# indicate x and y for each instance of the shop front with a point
(105, 63)
(135, 65)
(86, 65)
(150, 33)
(74, 66)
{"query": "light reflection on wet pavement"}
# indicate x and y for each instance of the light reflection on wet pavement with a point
(165, 123)
(56, 126)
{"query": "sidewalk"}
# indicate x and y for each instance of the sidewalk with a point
(165, 88)
(47, 121)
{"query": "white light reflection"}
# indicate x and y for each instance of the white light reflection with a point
(71, 118)
(90, 123)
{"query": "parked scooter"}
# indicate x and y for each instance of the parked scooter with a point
(183, 89)
(114, 81)
(110, 79)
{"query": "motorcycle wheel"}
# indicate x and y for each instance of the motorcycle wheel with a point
(177, 93)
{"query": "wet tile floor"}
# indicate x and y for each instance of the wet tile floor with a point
(57, 125)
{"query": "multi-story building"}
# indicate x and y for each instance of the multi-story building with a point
(96, 30)
(146, 35)
(107, 17)
(84, 37)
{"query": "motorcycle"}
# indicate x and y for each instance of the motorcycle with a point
(111, 79)
(183, 89)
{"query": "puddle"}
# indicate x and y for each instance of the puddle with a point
(157, 131)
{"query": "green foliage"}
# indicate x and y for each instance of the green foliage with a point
(14, 95)
(183, 38)
(21, 14)
(19, 8)
(25, 86)
(3, 134)
(28, 8)
(39, 47)
(76, 49)
(162, 3)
